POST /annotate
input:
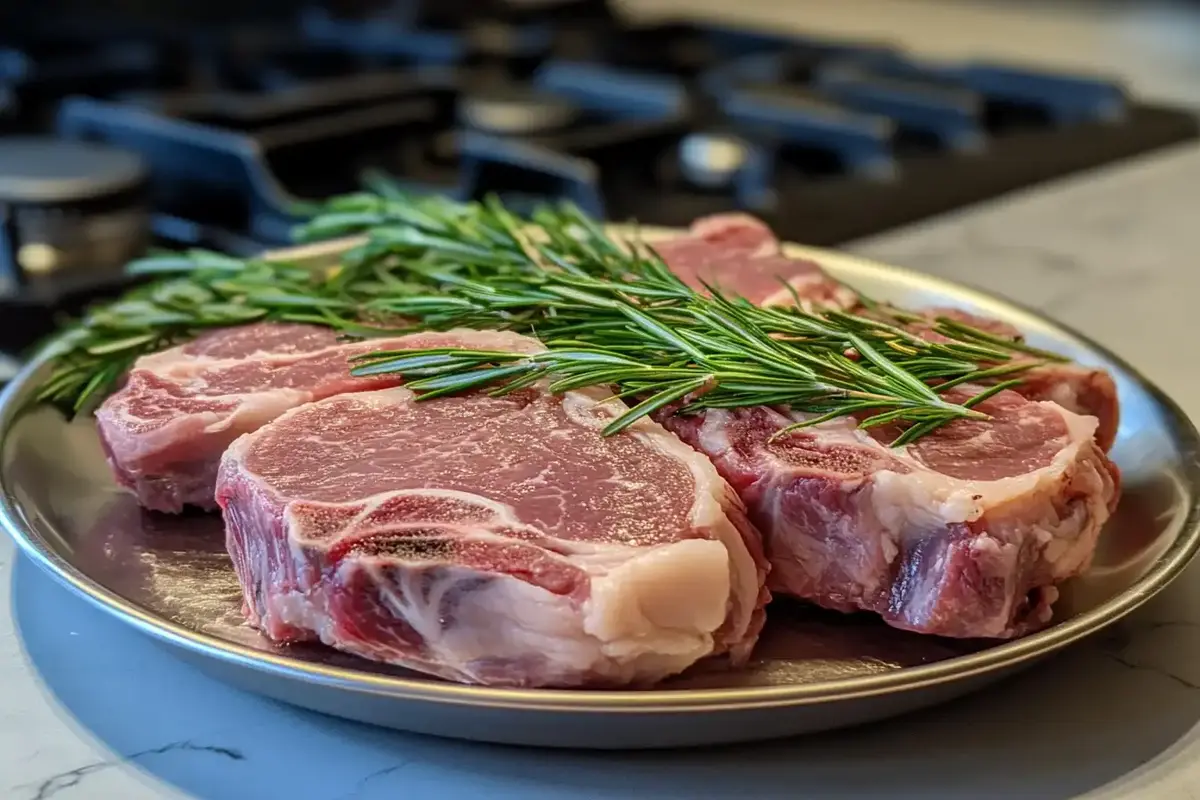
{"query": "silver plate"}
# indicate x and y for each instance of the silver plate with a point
(170, 577)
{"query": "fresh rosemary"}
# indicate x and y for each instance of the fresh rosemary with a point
(609, 313)
(190, 293)
(613, 314)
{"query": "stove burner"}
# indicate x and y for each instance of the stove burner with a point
(223, 117)
(662, 121)
(44, 170)
(69, 212)
(511, 112)
(710, 161)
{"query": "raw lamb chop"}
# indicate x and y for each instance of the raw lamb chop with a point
(964, 533)
(499, 541)
(165, 430)
(741, 255)
(1084, 390)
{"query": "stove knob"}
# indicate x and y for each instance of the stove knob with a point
(38, 258)
(514, 113)
(711, 161)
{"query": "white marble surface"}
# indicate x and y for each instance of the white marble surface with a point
(89, 709)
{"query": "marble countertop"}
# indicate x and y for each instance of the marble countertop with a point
(91, 709)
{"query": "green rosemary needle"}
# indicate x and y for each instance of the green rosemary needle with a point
(692, 350)
(613, 314)
(193, 292)
(610, 314)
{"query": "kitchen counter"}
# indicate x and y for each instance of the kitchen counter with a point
(91, 709)
(1153, 46)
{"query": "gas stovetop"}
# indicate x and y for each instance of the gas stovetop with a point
(158, 130)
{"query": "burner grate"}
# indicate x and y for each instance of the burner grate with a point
(239, 121)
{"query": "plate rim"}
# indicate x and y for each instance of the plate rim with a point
(1004, 656)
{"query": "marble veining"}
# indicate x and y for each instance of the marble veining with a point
(365, 785)
(72, 778)
(1120, 647)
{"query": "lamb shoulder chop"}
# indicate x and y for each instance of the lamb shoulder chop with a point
(493, 540)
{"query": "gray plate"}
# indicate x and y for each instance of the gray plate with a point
(171, 578)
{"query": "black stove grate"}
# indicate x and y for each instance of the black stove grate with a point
(239, 125)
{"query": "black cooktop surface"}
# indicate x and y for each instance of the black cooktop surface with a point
(195, 125)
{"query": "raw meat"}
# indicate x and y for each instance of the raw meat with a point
(1084, 390)
(164, 431)
(964, 533)
(740, 254)
(499, 541)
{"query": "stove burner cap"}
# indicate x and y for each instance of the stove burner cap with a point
(514, 112)
(44, 171)
(711, 160)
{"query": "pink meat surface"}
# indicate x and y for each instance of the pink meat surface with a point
(164, 431)
(739, 254)
(498, 541)
(1084, 390)
(964, 533)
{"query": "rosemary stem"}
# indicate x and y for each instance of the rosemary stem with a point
(610, 313)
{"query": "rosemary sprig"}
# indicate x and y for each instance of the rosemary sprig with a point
(665, 355)
(610, 313)
(615, 315)
(194, 292)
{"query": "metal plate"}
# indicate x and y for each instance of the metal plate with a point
(171, 578)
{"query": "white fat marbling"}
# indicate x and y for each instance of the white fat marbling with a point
(90, 709)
